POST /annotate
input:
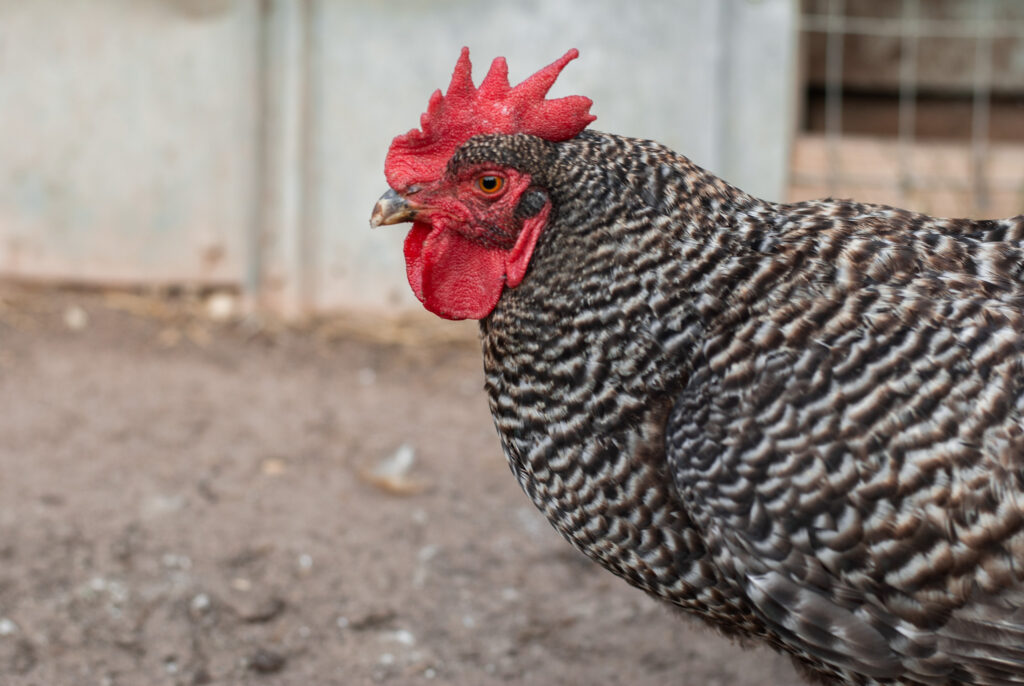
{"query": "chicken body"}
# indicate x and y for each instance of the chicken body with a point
(804, 422)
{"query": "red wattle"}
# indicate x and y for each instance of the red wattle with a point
(457, 278)
(453, 277)
(414, 256)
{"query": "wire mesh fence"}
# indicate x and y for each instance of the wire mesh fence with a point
(918, 103)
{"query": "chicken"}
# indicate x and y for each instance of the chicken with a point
(803, 423)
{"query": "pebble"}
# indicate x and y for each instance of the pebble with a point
(402, 636)
(392, 474)
(266, 661)
(7, 627)
(76, 318)
(241, 584)
(200, 605)
(375, 619)
(262, 610)
(221, 306)
(273, 466)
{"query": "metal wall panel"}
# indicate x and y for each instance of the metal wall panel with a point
(713, 80)
(127, 138)
(242, 142)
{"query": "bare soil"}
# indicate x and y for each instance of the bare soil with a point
(186, 501)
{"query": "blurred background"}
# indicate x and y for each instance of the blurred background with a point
(233, 447)
(241, 143)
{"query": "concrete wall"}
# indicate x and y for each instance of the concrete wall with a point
(243, 142)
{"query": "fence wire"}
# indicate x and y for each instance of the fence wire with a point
(975, 26)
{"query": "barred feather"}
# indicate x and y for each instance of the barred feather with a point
(803, 423)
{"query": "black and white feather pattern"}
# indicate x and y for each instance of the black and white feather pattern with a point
(804, 423)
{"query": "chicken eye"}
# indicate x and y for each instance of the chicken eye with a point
(490, 184)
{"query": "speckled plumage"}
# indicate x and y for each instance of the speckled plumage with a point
(804, 422)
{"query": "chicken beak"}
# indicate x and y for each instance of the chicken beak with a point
(391, 209)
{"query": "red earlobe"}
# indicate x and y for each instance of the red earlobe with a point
(518, 259)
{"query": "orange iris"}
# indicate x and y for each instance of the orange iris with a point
(490, 184)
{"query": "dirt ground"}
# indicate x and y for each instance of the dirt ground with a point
(189, 501)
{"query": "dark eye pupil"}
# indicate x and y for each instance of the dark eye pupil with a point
(489, 183)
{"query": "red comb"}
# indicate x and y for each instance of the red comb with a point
(495, 107)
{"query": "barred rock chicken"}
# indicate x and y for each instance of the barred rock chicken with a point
(803, 423)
